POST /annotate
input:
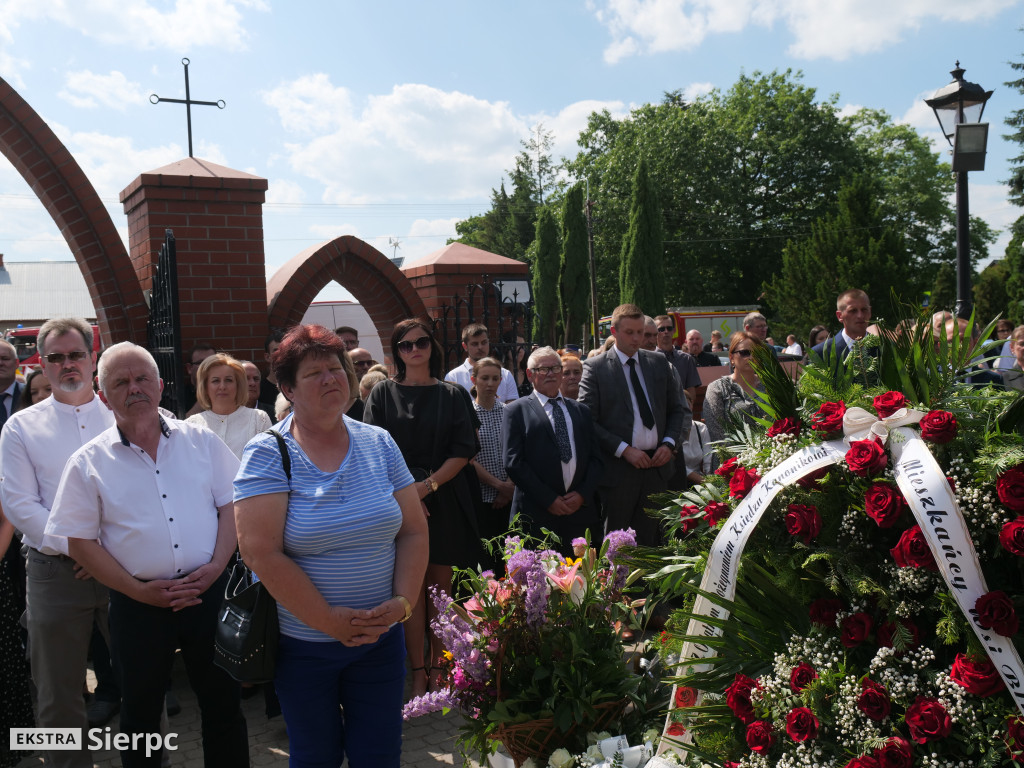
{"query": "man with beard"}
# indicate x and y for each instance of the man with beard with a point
(63, 600)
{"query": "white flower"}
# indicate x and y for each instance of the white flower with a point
(529, 763)
(560, 758)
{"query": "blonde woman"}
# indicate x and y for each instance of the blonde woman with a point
(222, 392)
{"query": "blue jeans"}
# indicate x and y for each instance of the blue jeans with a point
(367, 681)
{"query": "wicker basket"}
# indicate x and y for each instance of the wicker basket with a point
(539, 738)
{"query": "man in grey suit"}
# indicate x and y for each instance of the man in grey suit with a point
(640, 418)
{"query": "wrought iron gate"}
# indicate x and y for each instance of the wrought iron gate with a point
(163, 329)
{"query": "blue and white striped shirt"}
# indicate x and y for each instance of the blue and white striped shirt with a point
(341, 526)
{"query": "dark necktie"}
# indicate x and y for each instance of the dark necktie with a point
(3, 408)
(646, 415)
(561, 431)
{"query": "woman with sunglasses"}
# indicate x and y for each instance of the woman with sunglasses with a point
(729, 400)
(434, 425)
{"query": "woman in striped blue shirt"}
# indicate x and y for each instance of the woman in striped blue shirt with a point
(341, 544)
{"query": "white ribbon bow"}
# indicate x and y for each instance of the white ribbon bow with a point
(861, 424)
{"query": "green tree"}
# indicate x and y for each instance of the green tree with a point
(545, 278)
(538, 148)
(1014, 260)
(944, 288)
(641, 269)
(990, 292)
(1016, 121)
(574, 278)
(851, 248)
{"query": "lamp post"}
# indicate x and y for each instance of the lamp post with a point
(958, 107)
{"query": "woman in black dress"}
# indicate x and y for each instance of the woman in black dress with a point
(15, 700)
(433, 423)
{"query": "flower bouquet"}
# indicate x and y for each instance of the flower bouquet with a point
(532, 660)
(852, 572)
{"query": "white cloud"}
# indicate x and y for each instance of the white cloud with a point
(836, 29)
(114, 91)
(188, 25)
(284, 192)
(413, 143)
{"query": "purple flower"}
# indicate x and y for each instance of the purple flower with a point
(618, 539)
(459, 637)
(536, 596)
(434, 701)
(520, 564)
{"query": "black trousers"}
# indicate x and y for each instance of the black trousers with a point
(143, 639)
(624, 503)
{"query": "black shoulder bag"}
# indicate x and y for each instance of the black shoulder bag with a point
(245, 645)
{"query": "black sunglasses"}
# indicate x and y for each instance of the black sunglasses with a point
(58, 357)
(666, 329)
(423, 342)
(743, 352)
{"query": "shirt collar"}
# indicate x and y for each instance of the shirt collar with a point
(165, 430)
(544, 399)
(68, 408)
(623, 357)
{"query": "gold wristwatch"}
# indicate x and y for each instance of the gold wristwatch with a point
(431, 484)
(407, 606)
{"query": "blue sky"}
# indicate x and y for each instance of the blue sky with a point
(395, 119)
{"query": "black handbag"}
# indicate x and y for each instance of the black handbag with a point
(245, 645)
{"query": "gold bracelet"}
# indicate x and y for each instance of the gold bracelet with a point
(406, 605)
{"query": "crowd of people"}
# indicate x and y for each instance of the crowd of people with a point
(119, 521)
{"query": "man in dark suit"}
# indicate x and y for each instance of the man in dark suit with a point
(10, 389)
(853, 310)
(640, 418)
(550, 451)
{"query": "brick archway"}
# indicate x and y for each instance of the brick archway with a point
(70, 199)
(372, 278)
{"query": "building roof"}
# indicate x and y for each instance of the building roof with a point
(459, 253)
(34, 289)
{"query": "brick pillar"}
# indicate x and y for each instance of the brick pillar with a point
(216, 214)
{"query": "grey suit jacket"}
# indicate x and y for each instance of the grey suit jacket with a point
(605, 391)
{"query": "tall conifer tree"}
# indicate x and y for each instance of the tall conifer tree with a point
(574, 280)
(642, 267)
(545, 278)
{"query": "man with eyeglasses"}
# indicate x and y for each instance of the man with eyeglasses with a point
(477, 345)
(549, 448)
(196, 355)
(683, 362)
(63, 600)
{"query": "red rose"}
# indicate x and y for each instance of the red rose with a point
(716, 512)
(889, 403)
(686, 696)
(760, 736)
(801, 676)
(727, 468)
(1015, 738)
(911, 551)
(866, 457)
(829, 417)
(938, 426)
(676, 729)
(952, 483)
(803, 521)
(787, 426)
(897, 753)
(865, 761)
(742, 481)
(874, 700)
(979, 677)
(1012, 536)
(928, 720)
(855, 629)
(690, 517)
(1010, 487)
(801, 724)
(887, 630)
(884, 504)
(823, 611)
(737, 696)
(995, 612)
(810, 480)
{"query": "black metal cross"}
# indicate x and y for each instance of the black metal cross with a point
(188, 102)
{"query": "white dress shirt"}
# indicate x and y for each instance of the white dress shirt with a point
(643, 438)
(237, 428)
(568, 467)
(158, 519)
(34, 447)
(507, 390)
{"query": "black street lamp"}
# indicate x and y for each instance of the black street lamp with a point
(958, 108)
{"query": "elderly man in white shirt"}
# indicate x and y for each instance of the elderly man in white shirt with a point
(478, 345)
(63, 602)
(146, 507)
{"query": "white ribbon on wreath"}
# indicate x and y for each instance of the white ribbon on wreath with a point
(931, 500)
